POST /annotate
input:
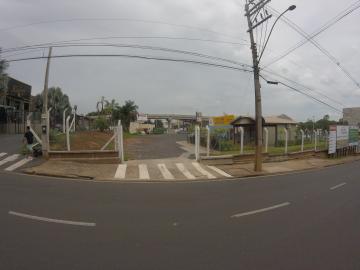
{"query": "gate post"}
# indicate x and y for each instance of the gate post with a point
(68, 133)
(208, 141)
(64, 120)
(266, 139)
(241, 140)
(48, 128)
(197, 143)
(315, 140)
(286, 140)
(302, 140)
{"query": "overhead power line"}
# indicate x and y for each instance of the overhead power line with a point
(118, 19)
(307, 95)
(317, 45)
(128, 37)
(133, 46)
(304, 86)
(322, 29)
(134, 57)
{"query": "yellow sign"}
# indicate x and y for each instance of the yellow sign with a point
(223, 120)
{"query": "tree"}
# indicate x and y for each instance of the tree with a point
(57, 100)
(126, 113)
(159, 124)
(3, 76)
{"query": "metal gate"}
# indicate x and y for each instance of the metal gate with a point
(12, 121)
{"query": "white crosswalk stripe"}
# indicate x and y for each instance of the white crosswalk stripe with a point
(121, 171)
(18, 164)
(9, 159)
(165, 172)
(185, 171)
(143, 172)
(221, 172)
(2, 154)
(203, 171)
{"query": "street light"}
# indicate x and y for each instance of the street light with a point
(252, 13)
(291, 8)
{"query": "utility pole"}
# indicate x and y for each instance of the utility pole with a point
(251, 14)
(44, 123)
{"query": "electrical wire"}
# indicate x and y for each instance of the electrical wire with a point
(307, 95)
(317, 45)
(133, 57)
(303, 86)
(137, 47)
(118, 19)
(133, 37)
(330, 23)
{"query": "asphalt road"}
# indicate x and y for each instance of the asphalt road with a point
(305, 221)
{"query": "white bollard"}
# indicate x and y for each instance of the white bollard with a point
(64, 120)
(68, 133)
(286, 140)
(302, 140)
(208, 141)
(266, 139)
(241, 140)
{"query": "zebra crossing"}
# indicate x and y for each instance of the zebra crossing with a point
(169, 171)
(13, 162)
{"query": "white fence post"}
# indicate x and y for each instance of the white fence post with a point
(326, 138)
(68, 133)
(208, 141)
(121, 143)
(48, 128)
(241, 140)
(315, 139)
(266, 139)
(64, 120)
(197, 143)
(286, 140)
(302, 140)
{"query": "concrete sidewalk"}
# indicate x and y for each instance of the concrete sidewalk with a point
(93, 171)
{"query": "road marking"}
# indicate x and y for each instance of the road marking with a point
(67, 222)
(121, 171)
(9, 159)
(18, 164)
(261, 210)
(203, 171)
(2, 154)
(184, 171)
(143, 172)
(165, 172)
(221, 172)
(338, 186)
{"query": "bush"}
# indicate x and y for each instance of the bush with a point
(159, 130)
(101, 124)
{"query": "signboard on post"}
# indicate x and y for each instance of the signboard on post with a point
(222, 120)
(332, 140)
(353, 136)
(342, 137)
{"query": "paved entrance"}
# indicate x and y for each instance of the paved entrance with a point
(154, 147)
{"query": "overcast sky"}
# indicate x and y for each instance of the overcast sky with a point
(163, 87)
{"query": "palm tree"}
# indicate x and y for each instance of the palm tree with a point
(101, 105)
(127, 113)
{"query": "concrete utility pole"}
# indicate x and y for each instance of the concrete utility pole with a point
(256, 13)
(251, 14)
(44, 122)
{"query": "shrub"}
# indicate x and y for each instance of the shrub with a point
(101, 124)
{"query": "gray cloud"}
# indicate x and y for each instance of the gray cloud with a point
(182, 88)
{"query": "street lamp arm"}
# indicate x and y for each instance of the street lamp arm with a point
(272, 28)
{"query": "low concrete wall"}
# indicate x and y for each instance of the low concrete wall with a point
(249, 158)
(95, 156)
